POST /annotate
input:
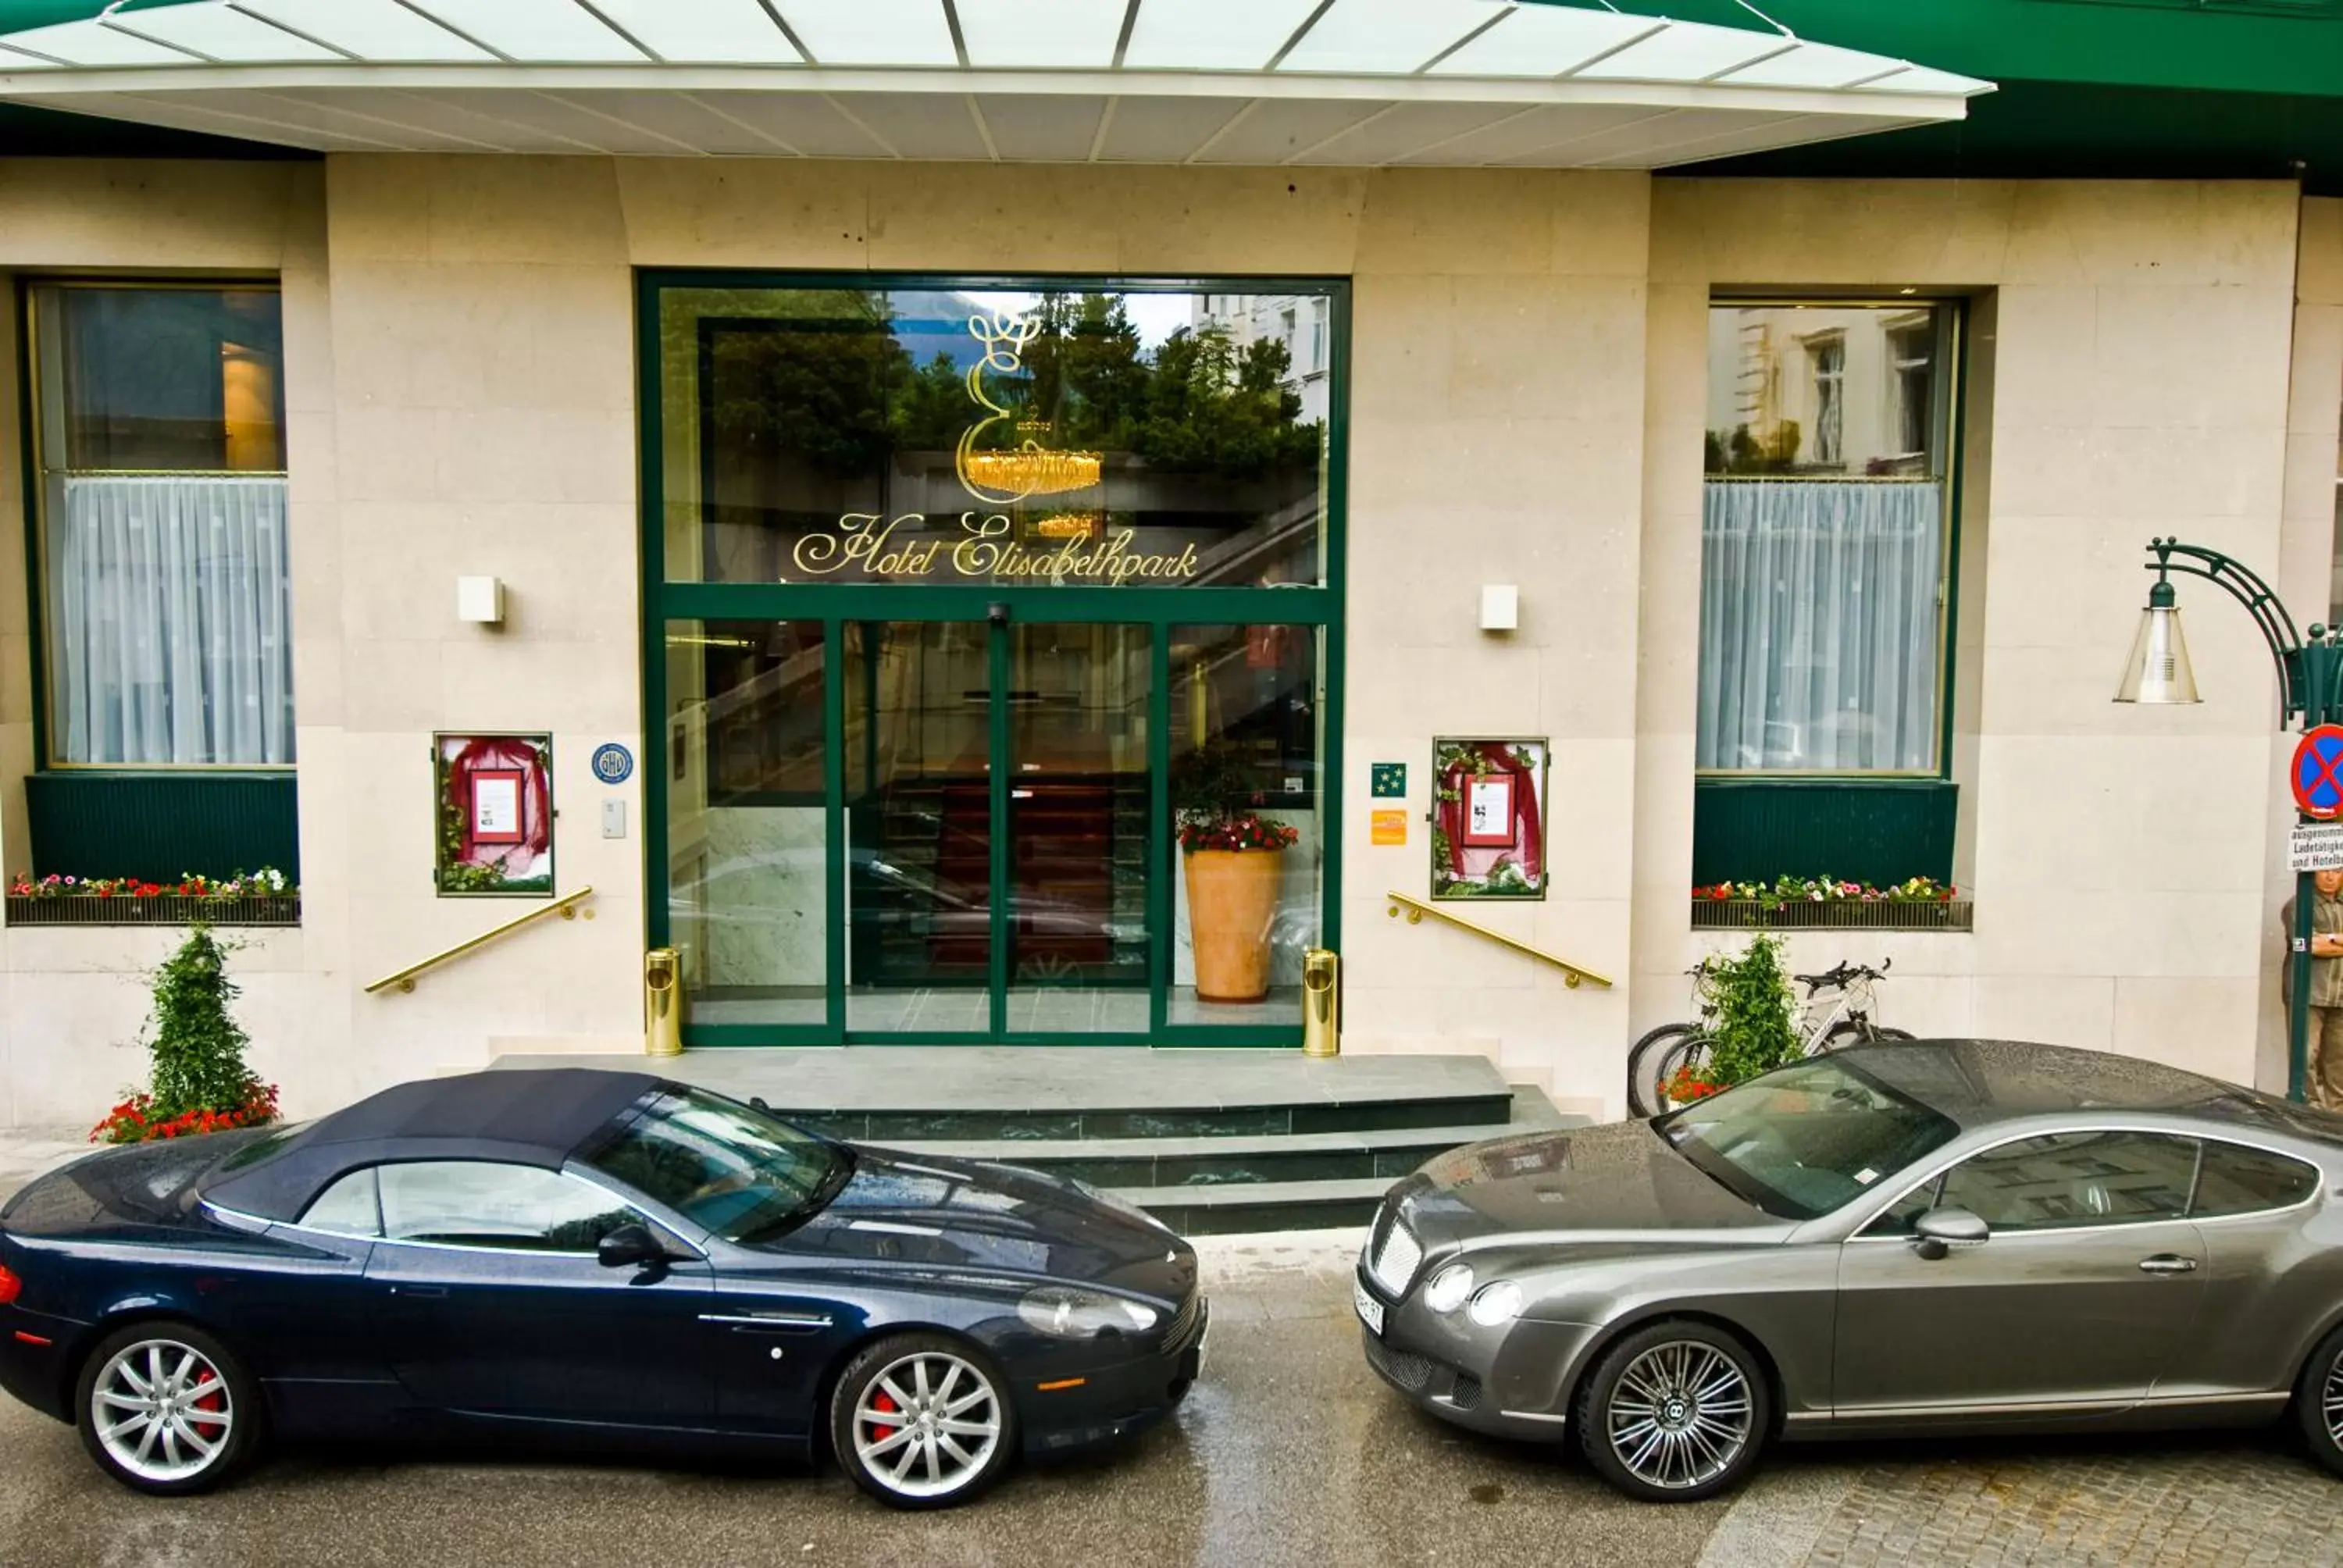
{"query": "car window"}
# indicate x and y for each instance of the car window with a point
(743, 1174)
(1806, 1138)
(348, 1207)
(2238, 1181)
(1899, 1217)
(470, 1203)
(2066, 1180)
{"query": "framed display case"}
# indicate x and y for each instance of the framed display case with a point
(1488, 820)
(493, 801)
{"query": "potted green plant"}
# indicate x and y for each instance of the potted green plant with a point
(199, 1081)
(1751, 1020)
(1233, 858)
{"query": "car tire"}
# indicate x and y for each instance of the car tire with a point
(167, 1409)
(1643, 1061)
(1675, 1411)
(2319, 1402)
(959, 1433)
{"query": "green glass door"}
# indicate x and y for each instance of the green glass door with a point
(997, 828)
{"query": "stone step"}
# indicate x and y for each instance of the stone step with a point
(1145, 1162)
(890, 1094)
(1248, 1208)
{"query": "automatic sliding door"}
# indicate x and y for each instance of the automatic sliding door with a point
(918, 828)
(1078, 828)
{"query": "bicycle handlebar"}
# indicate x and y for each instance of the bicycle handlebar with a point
(1838, 978)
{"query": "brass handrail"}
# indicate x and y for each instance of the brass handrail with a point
(567, 907)
(1417, 909)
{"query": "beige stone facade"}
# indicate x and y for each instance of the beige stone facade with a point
(1527, 389)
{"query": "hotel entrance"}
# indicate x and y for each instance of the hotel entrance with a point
(968, 605)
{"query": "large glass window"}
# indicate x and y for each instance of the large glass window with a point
(748, 834)
(974, 600)
(166, 598)
(1823, 536)
(1118, 437)
(1246, 739)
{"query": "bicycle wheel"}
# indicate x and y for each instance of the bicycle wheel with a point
(1643, 1066)
(1690, 1051)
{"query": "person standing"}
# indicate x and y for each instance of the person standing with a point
(2322, 1071)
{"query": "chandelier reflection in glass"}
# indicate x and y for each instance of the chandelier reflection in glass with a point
(1003, 476)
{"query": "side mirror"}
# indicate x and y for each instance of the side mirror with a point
(631, 1246)
(1940, 1230)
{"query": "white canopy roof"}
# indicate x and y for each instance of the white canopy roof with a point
(1251, 82)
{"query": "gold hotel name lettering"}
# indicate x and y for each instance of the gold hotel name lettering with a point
(866, 539)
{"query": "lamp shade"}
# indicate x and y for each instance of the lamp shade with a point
(2159, 670)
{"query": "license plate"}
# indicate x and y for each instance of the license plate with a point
(1371, 1311)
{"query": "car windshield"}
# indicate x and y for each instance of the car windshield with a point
(1803, 1140)
(739, 1172)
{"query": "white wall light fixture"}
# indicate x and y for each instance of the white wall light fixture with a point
(481, 600)
(1501, 607)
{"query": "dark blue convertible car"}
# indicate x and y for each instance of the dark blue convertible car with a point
(573, 1254)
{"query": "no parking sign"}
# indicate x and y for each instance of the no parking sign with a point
(2317, 776)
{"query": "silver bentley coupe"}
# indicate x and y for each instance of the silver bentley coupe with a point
(1938, 1237)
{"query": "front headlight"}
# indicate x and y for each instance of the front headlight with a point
(1499, 1303)
(1067, 1313)
(1449, 1288)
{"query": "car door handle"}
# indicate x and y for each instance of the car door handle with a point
(438, 1293)
(2167, 1263)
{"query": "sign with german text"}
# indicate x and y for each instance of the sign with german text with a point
(2314, 847)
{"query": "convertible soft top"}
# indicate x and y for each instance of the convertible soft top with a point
(530, 1117)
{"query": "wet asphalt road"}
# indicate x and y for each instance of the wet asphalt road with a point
(1290, 1451)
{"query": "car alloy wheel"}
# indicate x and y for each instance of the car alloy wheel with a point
(920, 1421)
(163, 1410)
(2319, 1402)
(1674, 1413)
(2330, 1403)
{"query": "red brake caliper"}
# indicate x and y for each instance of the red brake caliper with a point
(886, 1406)
(210, 1396)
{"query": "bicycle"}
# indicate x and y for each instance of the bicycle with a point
(1666, 1052)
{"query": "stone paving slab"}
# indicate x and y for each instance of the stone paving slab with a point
(26, 1151)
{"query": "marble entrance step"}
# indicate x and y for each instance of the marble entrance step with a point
(1185, 1164)
(894, 1094)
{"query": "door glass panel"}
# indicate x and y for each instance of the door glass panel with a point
(919, 813)
(1078, 818)
(2072, 1179)
(747, 829)
(1247, 735)
(473, 1204)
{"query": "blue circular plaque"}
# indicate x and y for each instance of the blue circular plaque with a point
(613, 763)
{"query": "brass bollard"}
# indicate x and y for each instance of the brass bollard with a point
(1322, 1032)
(663, 1002)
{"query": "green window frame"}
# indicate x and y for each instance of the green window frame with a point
(835, 605)
(38, 445)
(1882, 826)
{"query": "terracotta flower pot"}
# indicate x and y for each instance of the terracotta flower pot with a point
(1231, 899)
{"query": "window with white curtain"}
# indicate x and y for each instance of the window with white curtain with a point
(1824, 538)
(165, 598)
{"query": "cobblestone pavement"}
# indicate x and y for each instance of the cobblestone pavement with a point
(2180, 1501)
(1289, 1453)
